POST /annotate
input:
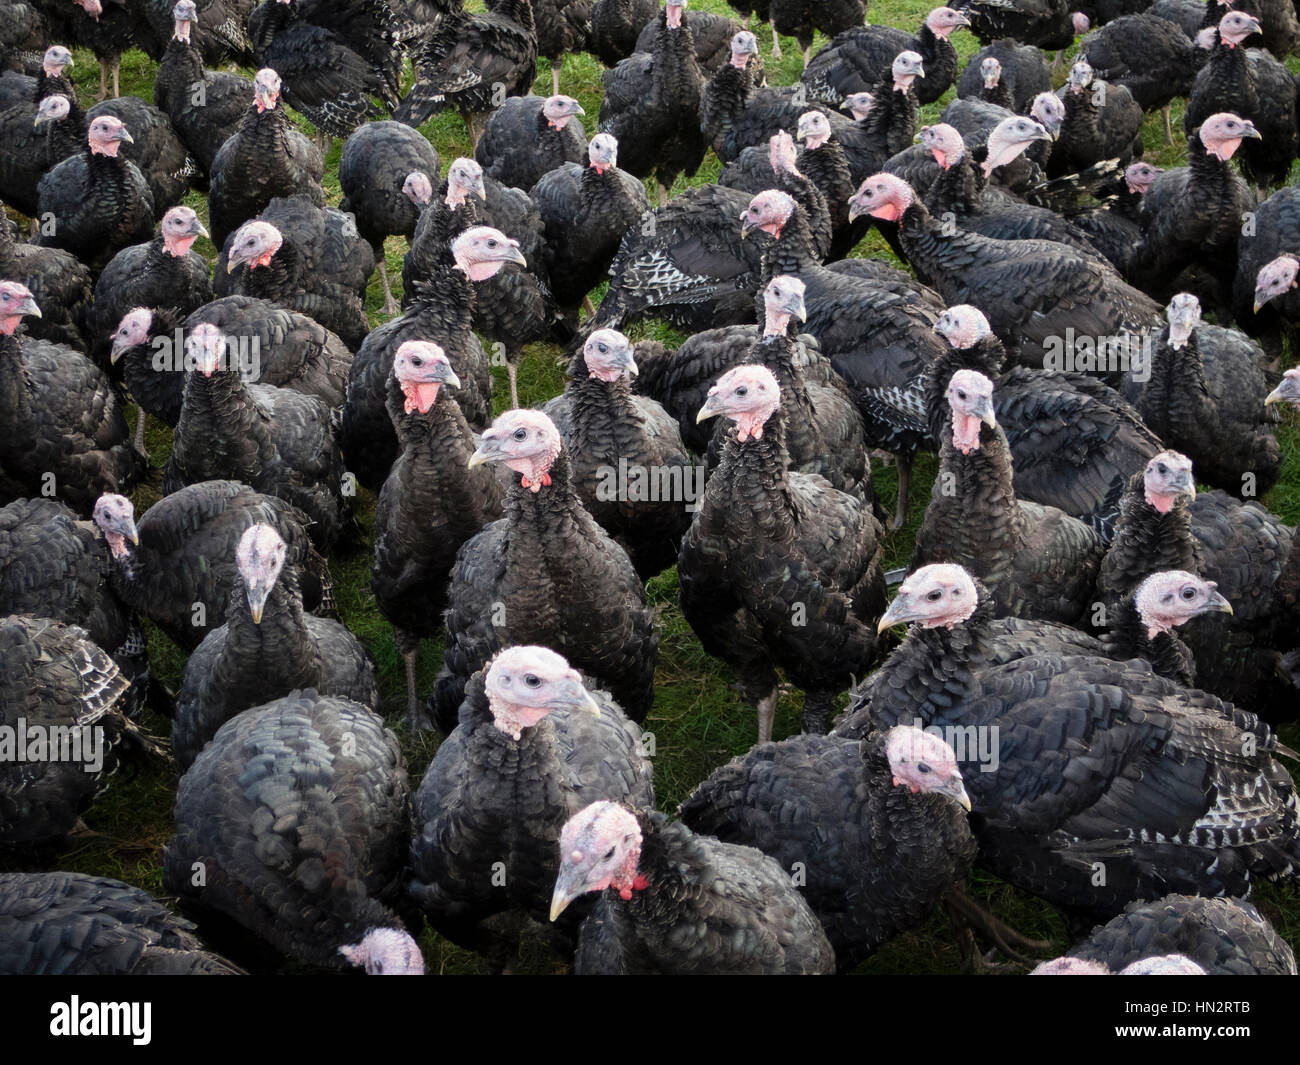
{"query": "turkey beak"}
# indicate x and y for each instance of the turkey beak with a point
(258, 592)
(955, 789)
(962, 20)
(856, 210)
(234, 260)
(568, 886)
(488, 451)
(627, 362)
(123, 135)
(451, 378)
(1247, 130)
(900, 612)
(1218, 604)
(1184, 483)
(711, 409)
(745, 225)
(1286, 392)
(983, 410)
(573, 693)
(126, 527)
(514, 255)
(196, 229)
(28, 307)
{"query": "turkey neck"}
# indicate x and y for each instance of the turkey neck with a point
(722, 101)
(445, 299)
(266, 134)
(928, 679)
(976, 511)
(520, 11)
(265, 661)
(1176, 402)
(278, 278)
(553, 515)
(606, 422)
(928, 250)
(1232, 80)
(987, 356)
(776, 352)
(1212, 187)
(791, 252)
(748, 496)
(181, 69)
(956, 189)
(1148, 542)
(59, 85)
(893, 118)
(828, 169)
(1081, 134)
(277, 17)
(15, 387)
(677, 81)
(221, 418)
(1166, 653)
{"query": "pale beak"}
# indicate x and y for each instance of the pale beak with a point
(1218, 604)
(955, 789)
(899, 612)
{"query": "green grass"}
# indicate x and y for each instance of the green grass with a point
(699, 719)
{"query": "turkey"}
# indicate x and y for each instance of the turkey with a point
(272, 439)
(1227, 937)
(528, 136)
(586, 602)
(429, 505)
(373, 168)
(58, 282)
(1101, 122)
(71, 924)
(205, 106)
(1148, 55)
(1207, 397)
(442, 310)
(16, 88)
(563, 26)
(61, 712)
(1034, 293)
(993, 89)
(332, 55)
(646, 98)
(462, 59)
(586, 211)
(108, 28)
(1046, 24)
(1037, 561)
(674, 902)
(801, 587)
(629, 466)
(264, 158)
(165, 272)
(799, 18)
(157, 149)
(615, 25)
(873, 323)
(1242, 548)
(1255, 86)
(877, 825)
(712, 33)
(1023, 71)
(855, 60)
(533, 747)
(96, 202)
(38, 136)
(66, 430)
(220, 29)
(1192, 216)
(316, 881)
(177, 567)
(24, 34)
(692, 265)
(55, 565)
(1263, 303)
(267, 648)
(302, 258)
(1071, 437)
(1093, 761)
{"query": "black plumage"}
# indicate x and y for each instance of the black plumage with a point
(428, 506)
(319, 876)
(586, 603)
(779, 569)
(521, 141)
(331, 56)
(155, 147)
(60, 284)
(563, 26)
(615, 25)
(71, 924)
(67, 431)
(629, 465)
(532, 748)
(178, 568)
(219, 28)
(683, 903)
(876, 854)
(38, 138)
(264, 158)
(1024, 72)
(1226, 937)
(61, 707)
(267, 648)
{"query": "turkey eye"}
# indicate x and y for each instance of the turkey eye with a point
(532, 681)
(608, 854)
(922, 767)
(935, 596)
(417, 362)
(1189, 593)
(742, 391)
(961, 394)
(1162, 468)
(379, 968)
(520, 434)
